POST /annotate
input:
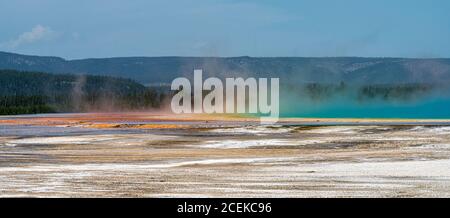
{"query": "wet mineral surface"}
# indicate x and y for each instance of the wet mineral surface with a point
(134, 156)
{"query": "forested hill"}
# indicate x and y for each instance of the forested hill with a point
(294, 70)
(35, 92)
(35, 83)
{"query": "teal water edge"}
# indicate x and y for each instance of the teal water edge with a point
(435, 108)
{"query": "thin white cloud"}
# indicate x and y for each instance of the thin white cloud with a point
(37, 33)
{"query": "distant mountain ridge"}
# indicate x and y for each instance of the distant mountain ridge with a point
(293, 70)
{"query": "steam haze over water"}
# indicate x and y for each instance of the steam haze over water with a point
(341, 107)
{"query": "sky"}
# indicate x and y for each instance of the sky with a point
(319, 28)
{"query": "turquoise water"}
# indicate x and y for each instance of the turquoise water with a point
(429, 108)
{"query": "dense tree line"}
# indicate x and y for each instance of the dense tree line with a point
(394, 92)
(34, 92)
(364, 92)
(24, 105)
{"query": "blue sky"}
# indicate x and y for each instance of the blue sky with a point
(111, 28)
